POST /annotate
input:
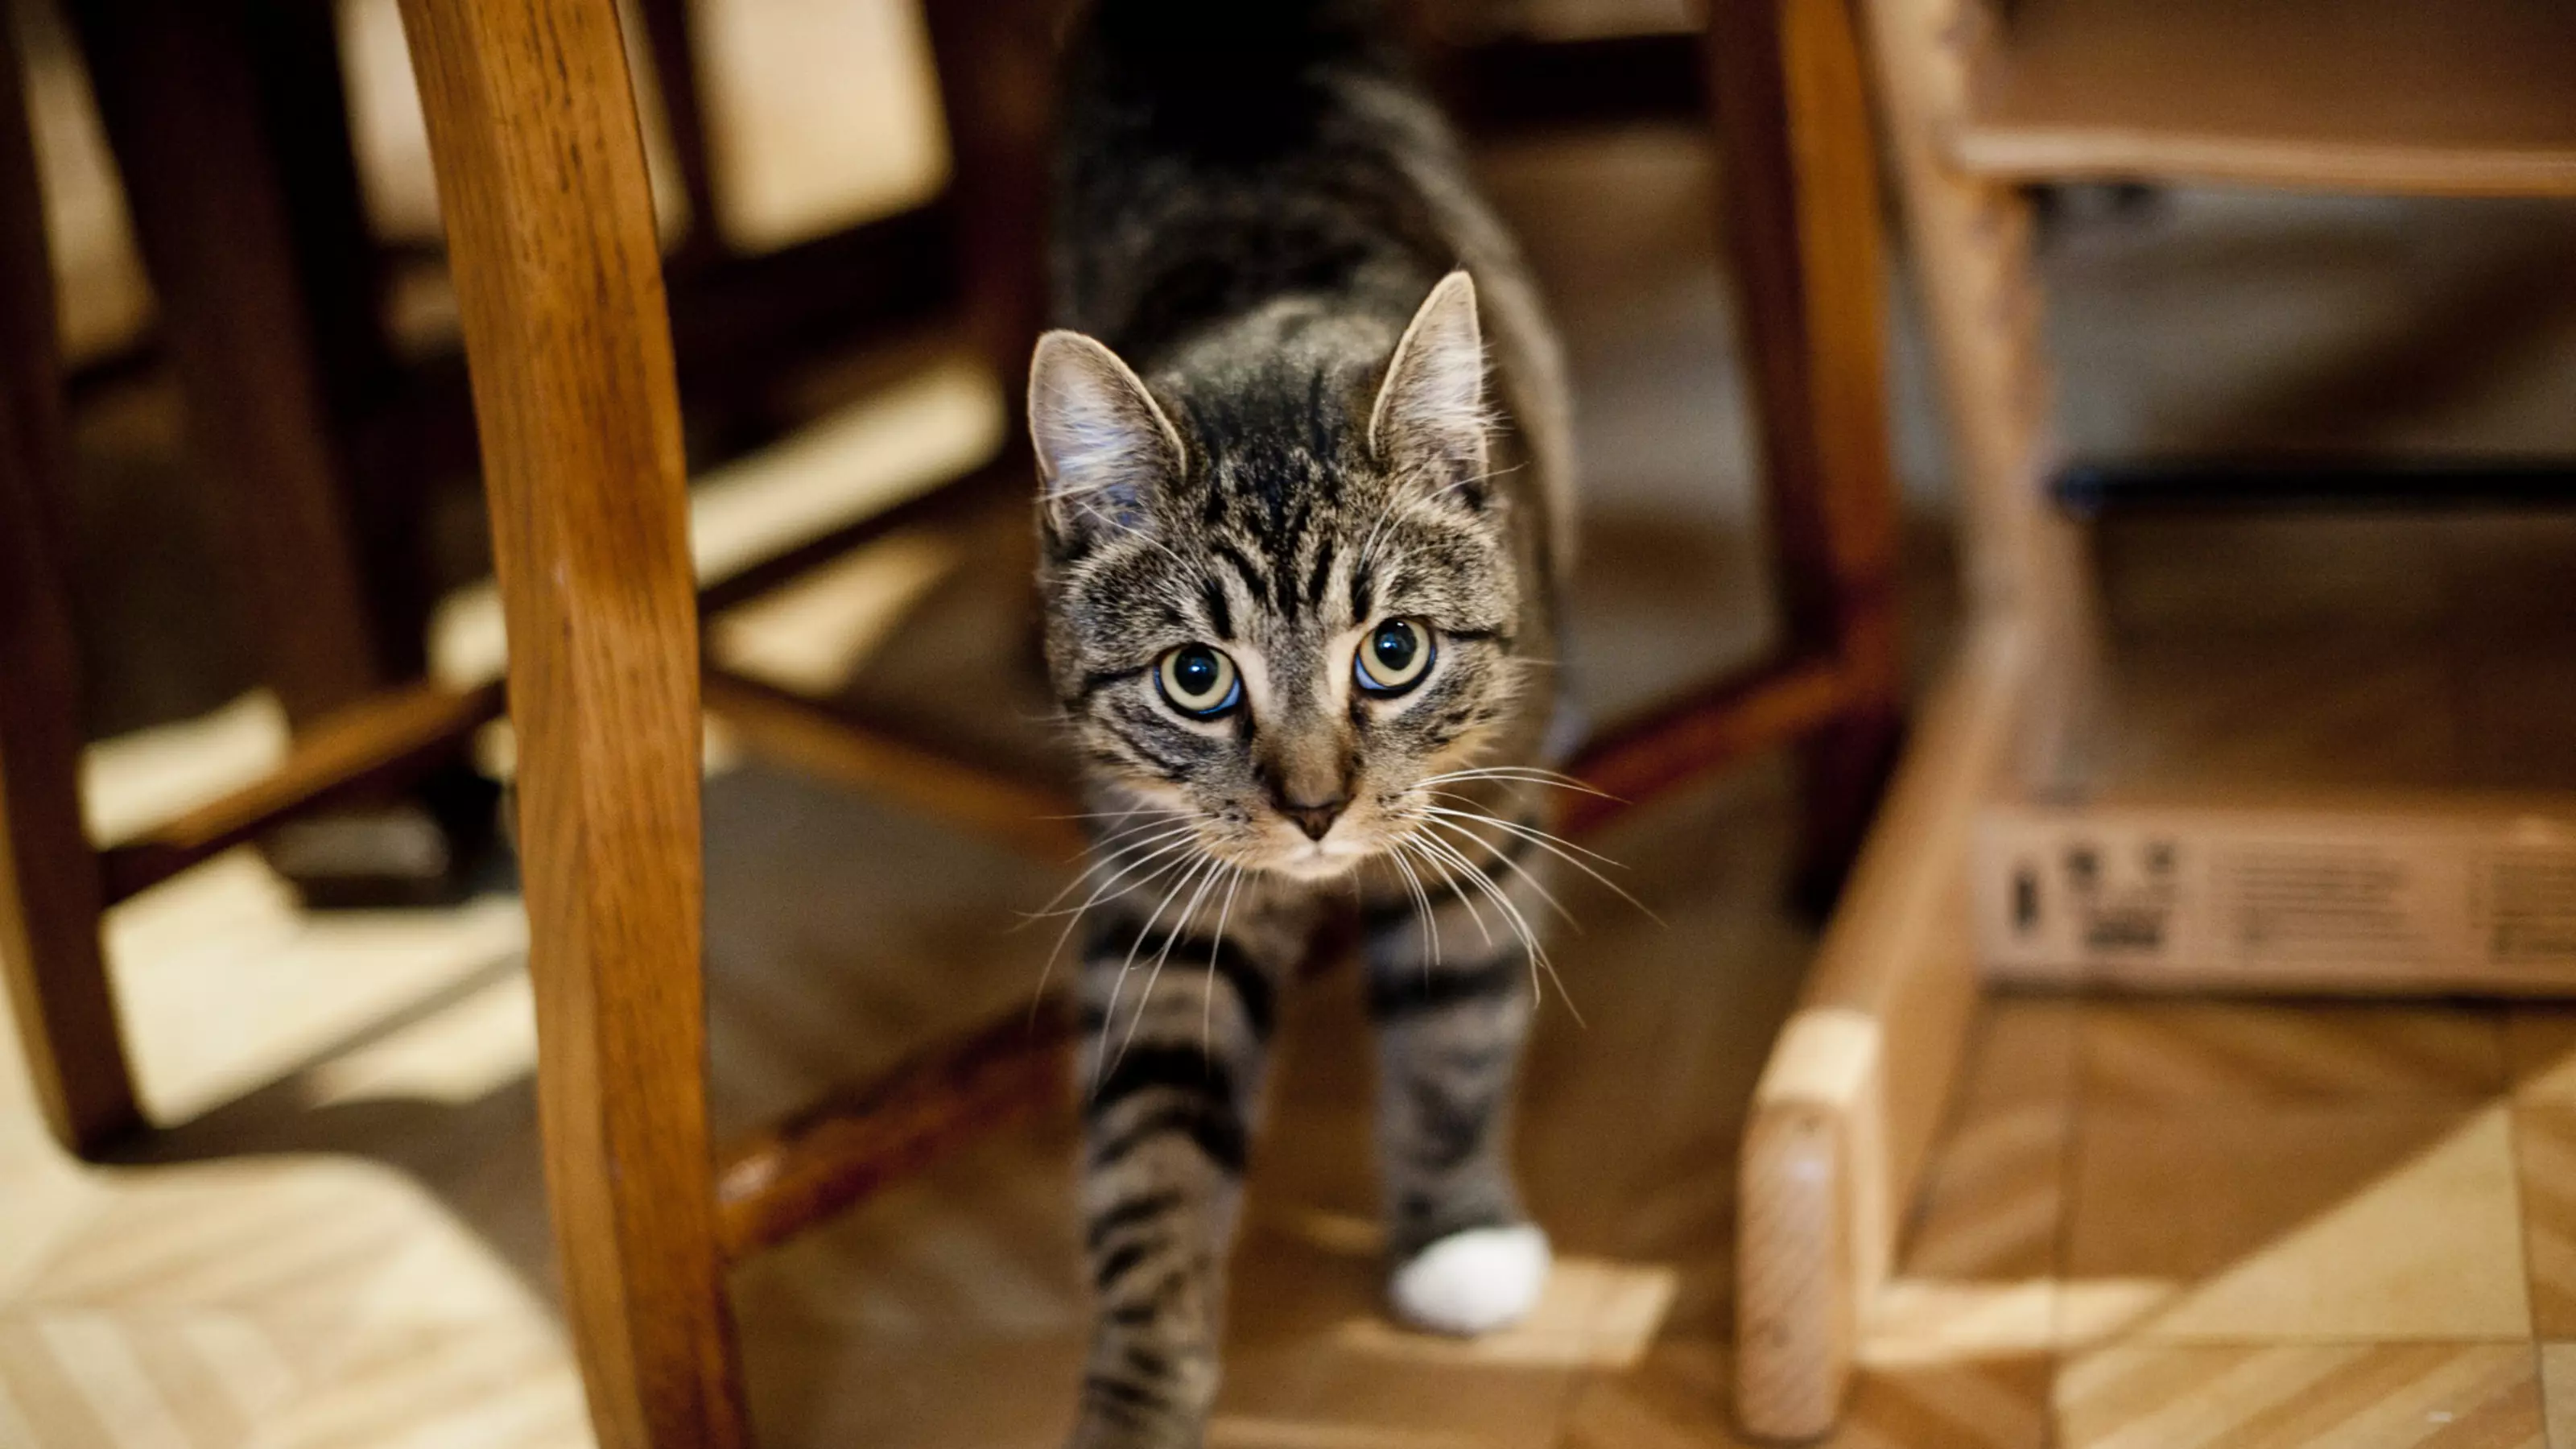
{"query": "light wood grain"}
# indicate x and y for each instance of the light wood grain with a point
(1861, 1077)
(49, 893)
(541, 174)
(2443, 97)
(1984, 314)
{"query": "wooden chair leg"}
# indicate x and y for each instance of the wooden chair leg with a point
(540, 166)
(1798, 171)
(996, 66)
(1983, 308)
(670, 38)
(49, 879)
(178, 89)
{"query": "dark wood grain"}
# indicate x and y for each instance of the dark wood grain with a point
(1719, 724)
(778, 1182)
(49, 897)
(988, 797)
(1800, 217)
(670, 38)
(179, 93)
(540, 168)
(379, 743)
(996, 61)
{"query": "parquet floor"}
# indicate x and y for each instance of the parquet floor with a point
(2151, 1225)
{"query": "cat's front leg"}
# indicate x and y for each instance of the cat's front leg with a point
(1451, 991)
(1176, 1032)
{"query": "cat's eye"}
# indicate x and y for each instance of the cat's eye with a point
(1394, 656)
(1199, 681)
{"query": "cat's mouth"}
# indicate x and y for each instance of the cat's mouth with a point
(1315, 860)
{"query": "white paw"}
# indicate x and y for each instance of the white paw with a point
(1473, 1282)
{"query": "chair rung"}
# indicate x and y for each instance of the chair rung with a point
(1023, 813)
(1737, 715)
(2092, 489)
(836, 1152)
(977, 488)
(372, 744)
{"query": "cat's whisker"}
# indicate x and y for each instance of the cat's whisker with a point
(1207, 998)
(1106, 890)
(1110, 814)
(1103, 861)
(1556, 846)
(1117, 836)
(1559, 841)
(1420, 845)
(1520, 923)
(1511, 775)
(1386, 515)
(1170, 818)
(1537, 771)
(1421, 905)
(1172, 937)
(1101, 1062)
(1074, 917)
(1486, 476)
(1514, 866)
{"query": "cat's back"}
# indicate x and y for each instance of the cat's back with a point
(1217, 156)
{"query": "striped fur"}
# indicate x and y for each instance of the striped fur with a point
(1304, 396)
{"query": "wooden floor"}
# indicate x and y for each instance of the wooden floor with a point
(2153, 1225)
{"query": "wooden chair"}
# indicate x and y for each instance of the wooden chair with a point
(540, 167)
(1965, 880)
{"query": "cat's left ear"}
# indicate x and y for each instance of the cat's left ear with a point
(1430, 417)
(1103, 444)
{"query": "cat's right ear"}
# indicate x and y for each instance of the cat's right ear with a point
(1103, 445)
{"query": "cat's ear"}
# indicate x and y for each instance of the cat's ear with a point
(1103, 445)
(1430, 416)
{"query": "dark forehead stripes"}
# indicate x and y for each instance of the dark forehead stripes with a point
(1220, 612)
(1290, 579)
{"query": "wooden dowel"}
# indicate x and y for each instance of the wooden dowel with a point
(1738, 716)
(827, 1157)
(376, 743)
(541, 178)
(50, 961)
(1020, 811)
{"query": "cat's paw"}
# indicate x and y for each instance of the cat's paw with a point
(1472, 1282)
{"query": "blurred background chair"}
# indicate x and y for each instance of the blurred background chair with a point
(2010, 851)
(320, 435)
(557, 259)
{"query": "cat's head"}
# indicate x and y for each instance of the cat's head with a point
(1282, 596)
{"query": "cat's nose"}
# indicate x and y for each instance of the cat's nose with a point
(1317, 818)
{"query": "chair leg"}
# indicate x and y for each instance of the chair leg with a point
(996, 65)
(178, 89)
(1983, 309)
(1801, 219)
(540, 166)
(670, 38)
(49, 881)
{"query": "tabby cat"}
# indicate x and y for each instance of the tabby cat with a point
(1299, 564)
